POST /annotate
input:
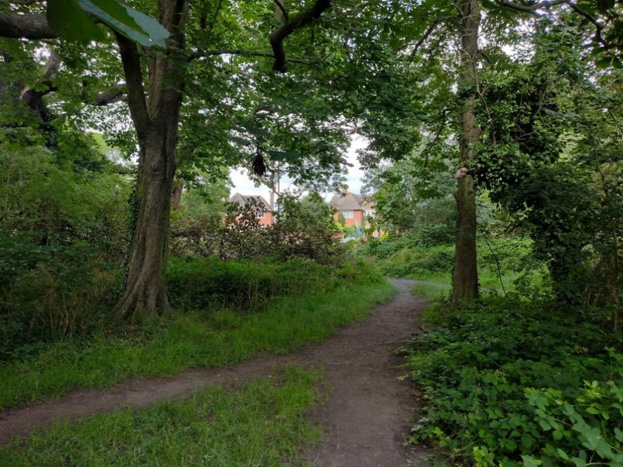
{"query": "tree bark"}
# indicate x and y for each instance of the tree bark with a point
(465, 275)
(146, 288)
(176, 194)
(156, 122)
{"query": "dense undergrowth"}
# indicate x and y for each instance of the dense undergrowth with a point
(243, 285)
(510, 382)
(262, 423)
(503, 262)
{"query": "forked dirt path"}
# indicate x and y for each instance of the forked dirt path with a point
(365, 414)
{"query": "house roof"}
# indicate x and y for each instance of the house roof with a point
(349, 202)
(243, 200)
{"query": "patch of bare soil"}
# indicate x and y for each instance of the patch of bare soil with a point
(366, 415)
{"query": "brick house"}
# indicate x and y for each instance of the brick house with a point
(354, 208)
(264, 212)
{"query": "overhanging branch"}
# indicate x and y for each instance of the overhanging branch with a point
(111, 95)
(279, 5)
(534, 8)
(297, 22)
(546, 5)
(33, 26)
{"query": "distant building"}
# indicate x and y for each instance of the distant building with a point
(355, 209)
(264, 209)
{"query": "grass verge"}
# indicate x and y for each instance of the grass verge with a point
(263, 423)
(194, 340)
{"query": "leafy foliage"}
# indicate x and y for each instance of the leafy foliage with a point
(505, 382)
(300, 230)
(246, 286)
(61, 235)
(545, 148)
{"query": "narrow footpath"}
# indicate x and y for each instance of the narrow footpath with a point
(366, 415)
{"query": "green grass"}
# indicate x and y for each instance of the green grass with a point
(195, 340)
(437, 285)
(432, 290)
(263, 423)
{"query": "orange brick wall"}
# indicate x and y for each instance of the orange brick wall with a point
(356, 220)
(267, 219)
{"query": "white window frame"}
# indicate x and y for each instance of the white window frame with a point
(350, 214)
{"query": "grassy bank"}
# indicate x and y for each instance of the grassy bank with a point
(504, 264)
(193, 340)
(261, 424)
(436, 286)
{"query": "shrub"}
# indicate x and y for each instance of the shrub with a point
(204, 283)
(300, 231)
(63, 231)
(49, 292)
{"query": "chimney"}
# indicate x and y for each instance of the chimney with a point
(344, 190)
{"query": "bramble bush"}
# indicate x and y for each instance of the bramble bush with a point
(62, 233)
(506, 383)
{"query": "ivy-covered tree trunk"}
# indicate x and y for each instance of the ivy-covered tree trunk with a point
(146, 290)
(156, 121)
(465, 275)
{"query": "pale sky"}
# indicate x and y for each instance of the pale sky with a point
(245, 186)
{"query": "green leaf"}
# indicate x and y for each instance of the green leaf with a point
(604, 62)
(530, 461)
(128, 22)
(545, 424)
(69, 21)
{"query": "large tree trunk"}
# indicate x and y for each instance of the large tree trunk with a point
(156, 122)
(146, 289)
(465, 275)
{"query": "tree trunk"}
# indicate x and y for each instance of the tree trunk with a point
(156, 122)
(176, 194)
(465, 275)
(146, 289)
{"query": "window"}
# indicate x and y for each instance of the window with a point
(348, 214)
(261, 214)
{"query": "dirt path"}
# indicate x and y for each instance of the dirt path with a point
(364, 415)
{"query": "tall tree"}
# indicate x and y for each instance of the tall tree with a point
(465, 274)
(155, 103)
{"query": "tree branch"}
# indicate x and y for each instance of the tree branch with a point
(421, 40)
(283, 9)
(599, 26)
(34, 26)
(532, 9)
(134, 81)
(32, 97)
(111, 95)
(280, 34)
